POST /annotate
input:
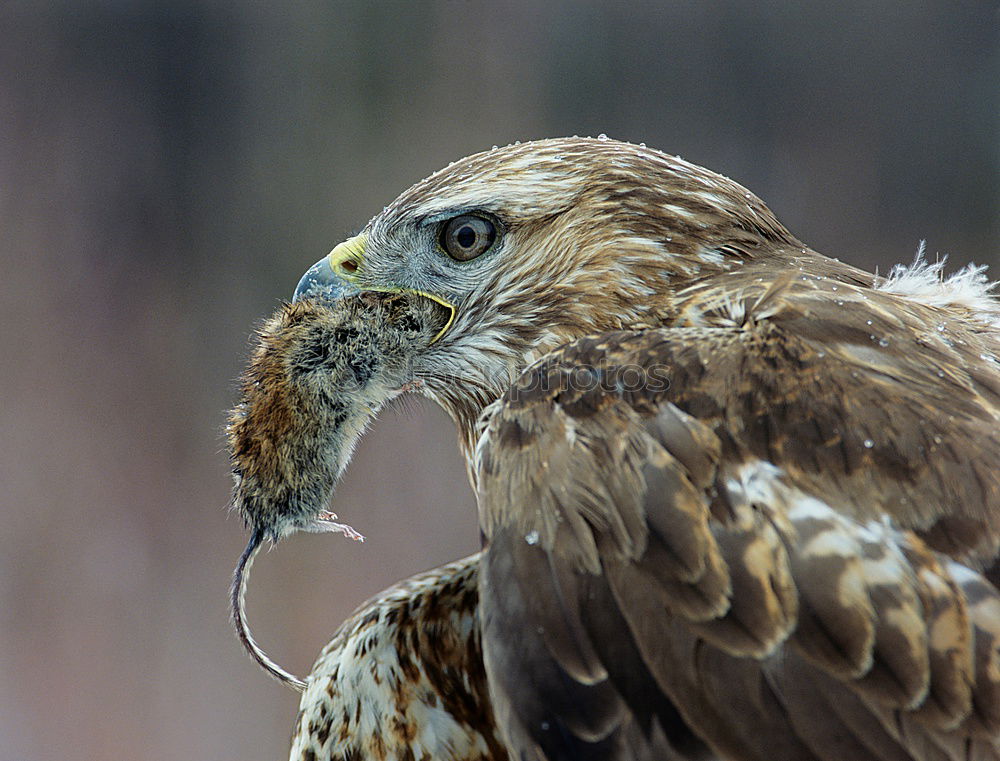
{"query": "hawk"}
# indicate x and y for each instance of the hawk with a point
(738, 499)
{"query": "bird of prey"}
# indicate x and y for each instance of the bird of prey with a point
(738, 499)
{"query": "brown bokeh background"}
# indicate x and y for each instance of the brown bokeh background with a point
(169, 169)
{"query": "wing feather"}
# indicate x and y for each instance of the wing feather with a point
(791, 569)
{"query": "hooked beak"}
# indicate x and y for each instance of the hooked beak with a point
(335, 277)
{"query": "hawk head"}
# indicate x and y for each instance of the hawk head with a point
(536, 244)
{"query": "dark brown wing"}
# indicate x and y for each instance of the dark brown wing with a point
(767, 538)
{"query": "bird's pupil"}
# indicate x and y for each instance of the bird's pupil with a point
(466, 236)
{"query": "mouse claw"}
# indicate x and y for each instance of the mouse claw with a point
(326, 522)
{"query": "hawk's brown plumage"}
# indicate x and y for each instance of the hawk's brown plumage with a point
(738, 499)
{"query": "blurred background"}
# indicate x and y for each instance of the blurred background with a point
(168, 170)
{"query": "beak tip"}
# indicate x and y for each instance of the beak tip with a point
(322, 283)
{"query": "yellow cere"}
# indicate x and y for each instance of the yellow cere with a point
(346, 257)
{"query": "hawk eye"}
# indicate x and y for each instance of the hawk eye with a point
(467, 236)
